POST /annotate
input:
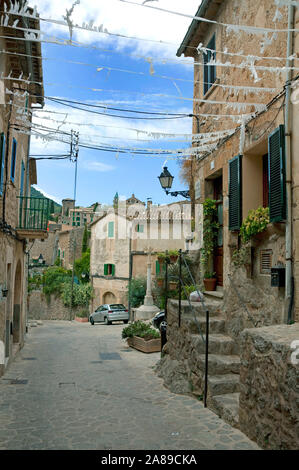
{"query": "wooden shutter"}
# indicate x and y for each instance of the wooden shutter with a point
(2, 161)
(157, 267)
(277, 175)
(13, 160)
(235, 193)
(105, 269)
(112, 269)
(111, 229)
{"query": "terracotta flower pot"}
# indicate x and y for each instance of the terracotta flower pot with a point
(160, 282)
(172, 285)
(210, 284)
(173, 258)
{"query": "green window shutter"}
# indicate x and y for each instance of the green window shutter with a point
(105, 269)
(2, 161)
(277, 175)
(111, 229)
(157, 267)
(235, 193)
(113, 270)
(13, 159)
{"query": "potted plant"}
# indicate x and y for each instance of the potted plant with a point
(82, 316)
(161, 257)
(210, 231)
(173, 256)
(210, 281)
(141, 336)
(172, 285)
(160, 281)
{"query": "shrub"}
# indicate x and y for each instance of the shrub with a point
(82, 266)
(256, 222)
(54, 279)
(82, 294)
(137, 291)
(141, 329)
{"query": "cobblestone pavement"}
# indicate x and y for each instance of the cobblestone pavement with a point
(76, 386)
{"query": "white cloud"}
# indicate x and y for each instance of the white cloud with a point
(95, 166)
(124, 19)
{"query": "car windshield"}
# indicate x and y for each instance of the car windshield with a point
(117, 307)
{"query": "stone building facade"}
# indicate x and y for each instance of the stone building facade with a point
(17, 173)
(129, 233)
(246, 109)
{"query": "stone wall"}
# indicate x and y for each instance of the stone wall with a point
(41, 309)
(181, 364)
(268, 384)
(249, 293)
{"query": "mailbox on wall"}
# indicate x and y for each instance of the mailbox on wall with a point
(278, 276)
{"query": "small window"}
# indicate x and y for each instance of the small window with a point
(140, 228)
(109, 269)
(110, 229)
(265, 261)
(13, 160)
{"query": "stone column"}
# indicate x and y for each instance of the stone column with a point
(148, 309)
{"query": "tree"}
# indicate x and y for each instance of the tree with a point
(82, 266)
(137, 289)
(85, 240)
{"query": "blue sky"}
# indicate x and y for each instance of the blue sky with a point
(102, 174)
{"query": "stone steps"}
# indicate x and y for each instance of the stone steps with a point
(216, 324)
(226, 407)
(220, 364)
(223, 384)
(218, 344)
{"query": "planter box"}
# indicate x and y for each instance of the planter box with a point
(153, 345)
(81, 320)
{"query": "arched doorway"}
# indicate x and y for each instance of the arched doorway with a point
(16, 322)
(109, 298)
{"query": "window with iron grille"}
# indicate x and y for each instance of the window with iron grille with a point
(265, 261)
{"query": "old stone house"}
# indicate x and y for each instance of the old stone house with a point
(246, 110)
(22, 219)
(127, 234)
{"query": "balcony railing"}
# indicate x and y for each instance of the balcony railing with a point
(33, 213)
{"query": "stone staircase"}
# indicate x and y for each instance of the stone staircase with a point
(224, 361)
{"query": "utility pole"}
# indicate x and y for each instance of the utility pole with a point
(74, 158)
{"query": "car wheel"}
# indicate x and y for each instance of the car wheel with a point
(92, 321)
(107, 322)
(126, 321)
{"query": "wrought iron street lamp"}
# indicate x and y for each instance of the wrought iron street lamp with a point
(166, 180)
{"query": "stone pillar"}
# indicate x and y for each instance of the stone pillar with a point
(148, 309)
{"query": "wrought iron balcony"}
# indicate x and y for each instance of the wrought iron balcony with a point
(33, 217)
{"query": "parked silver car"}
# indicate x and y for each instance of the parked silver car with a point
(108, 313)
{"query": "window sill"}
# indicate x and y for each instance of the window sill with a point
(211, 89)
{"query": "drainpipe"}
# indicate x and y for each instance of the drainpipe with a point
(289, 290)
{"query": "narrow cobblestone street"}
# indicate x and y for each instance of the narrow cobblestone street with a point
(74, 387)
